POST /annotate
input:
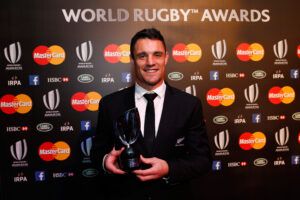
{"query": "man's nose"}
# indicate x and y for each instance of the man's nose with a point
(150, 60)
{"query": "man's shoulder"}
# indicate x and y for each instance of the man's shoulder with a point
(182, 94)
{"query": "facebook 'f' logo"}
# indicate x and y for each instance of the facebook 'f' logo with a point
(126, 77)
(34, 80)
(213, 75)
(85, 125)
(256, 118)
(40, 176)
(296, 160)
(216, 165)
(294, 73)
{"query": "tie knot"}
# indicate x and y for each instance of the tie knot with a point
(150, 96)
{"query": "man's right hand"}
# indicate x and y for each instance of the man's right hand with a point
(111, 161)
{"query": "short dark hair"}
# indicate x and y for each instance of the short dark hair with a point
(150, 33)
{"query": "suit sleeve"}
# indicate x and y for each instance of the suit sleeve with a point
(196, 159)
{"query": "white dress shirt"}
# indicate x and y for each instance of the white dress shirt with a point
(141, 104)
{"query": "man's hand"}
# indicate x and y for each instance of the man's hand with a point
(159, 168)
(111, 161)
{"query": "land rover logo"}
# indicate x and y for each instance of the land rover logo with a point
(221, 119)
(85, 78)
(89, 173)
(260, 162)
(259, 74)
(296, 116)
(175, 76)
(44, 127)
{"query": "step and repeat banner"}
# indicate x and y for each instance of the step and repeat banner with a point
(58, 59)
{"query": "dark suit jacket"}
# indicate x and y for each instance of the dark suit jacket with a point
(181, 141)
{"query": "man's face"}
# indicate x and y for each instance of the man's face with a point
(150, 59)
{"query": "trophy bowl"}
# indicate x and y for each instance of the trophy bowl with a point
(127, 131)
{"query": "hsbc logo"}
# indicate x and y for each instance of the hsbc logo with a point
(13, 54)
(280, 50)
(219, 51)
(282, 137)
(221, 141)
(84, 52)
(19, 150)
(51, 101)
(251, 95)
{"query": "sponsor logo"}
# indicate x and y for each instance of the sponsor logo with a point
(40, 176)
(114, 53)
(14, 81)
(85, 78)
(216, 165)
(219, 51)
(44, 55)
(66, 127)
(58, 79)
(216, 97)
(51, 101)
(196, 77)
(237, 164)
(175, 76)
(17, 128)
(191, 52)
(221, 141)
(221, 119)
(246, 52)
(90, 173)
(251, 95)
(85, 147)
(107, 78)
(44, 127)
(260, 162)
(279, 95)
(294, 73)
(295, 159)
(59, 151)
(85, 125)
(11, 104)
(281, 138)
(62, 174)
(191, 90)
(240, 120)
(20, 178)
(214, 75)
(275, 117)
(34, 80)
(84, 52)
(126, 77)
(249, 141)
(81, 101)
(279, 161)
(296, 116)
(259, 74)
(278, 75)
(256, 118)
(13, 55)
(235, 75)
(19, 150)
(280, 50)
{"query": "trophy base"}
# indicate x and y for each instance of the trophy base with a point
(130, 160)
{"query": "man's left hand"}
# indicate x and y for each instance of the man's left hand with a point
(159, 168)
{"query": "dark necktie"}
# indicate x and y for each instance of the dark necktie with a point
(149, 127)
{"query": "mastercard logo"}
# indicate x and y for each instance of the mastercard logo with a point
(81, 101)
(298, 51)
(246, 52)
(216, 97)
(44, 55)
(11, 104)
(114, 53)
(279, 95)
(191, 52)
(249, 141)
(59, 151)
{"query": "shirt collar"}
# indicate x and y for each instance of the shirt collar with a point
(160, 91)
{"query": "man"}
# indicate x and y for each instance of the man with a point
(180, 150)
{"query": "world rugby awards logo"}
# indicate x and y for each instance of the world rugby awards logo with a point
(13, 54)
(86, 146)
(282, 137)
(51, 101)
(221, 141)
(251, 95)
(19, 152)
(84, 53)
(280, 50)
(219, 51)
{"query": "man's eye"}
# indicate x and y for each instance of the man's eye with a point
(141, 56)
(158, 54)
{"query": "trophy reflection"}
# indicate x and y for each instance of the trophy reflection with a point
(127, 130)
